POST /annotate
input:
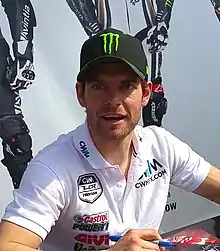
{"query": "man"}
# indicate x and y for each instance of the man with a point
(16, 75)
(152, 30)
(108, 176)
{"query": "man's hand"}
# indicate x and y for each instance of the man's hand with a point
(137, 240)
(21, 74)
(157, 37)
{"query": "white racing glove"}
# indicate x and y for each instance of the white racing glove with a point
(23, 74)
(157, 37)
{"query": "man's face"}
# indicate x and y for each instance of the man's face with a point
(113, 97)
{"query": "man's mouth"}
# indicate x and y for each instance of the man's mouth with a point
(114, 117)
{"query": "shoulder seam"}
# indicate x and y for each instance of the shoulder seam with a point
(38, 161)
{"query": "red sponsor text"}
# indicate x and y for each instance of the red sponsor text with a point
(92, 239)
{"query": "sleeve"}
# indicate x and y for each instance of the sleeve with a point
(38, 202)
(188, 169)
(7, 97)
(86, 12)
(164, 10)
(22, 20)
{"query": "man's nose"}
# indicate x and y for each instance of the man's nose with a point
(113, 98)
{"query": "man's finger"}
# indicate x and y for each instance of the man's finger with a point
(148, 234)
(149, 245)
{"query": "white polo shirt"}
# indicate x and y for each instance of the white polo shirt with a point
(73, 199)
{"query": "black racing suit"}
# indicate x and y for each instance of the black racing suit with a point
(216, 5)
(16, 74)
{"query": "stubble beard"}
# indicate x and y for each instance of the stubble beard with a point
(117, 133)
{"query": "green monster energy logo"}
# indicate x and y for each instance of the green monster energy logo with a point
(109, 39)
(169, 3)
(147, 69)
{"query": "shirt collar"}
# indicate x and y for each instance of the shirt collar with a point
(84, 144)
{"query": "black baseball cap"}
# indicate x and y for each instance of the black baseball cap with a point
(113, 44)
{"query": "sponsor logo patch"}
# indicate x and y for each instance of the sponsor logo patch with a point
(154, 171)
(84, 150)
(91, 223)
(89, 187)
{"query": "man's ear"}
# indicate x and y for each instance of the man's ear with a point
(147, 91)
(80, 93)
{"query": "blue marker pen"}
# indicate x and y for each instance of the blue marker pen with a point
(114, 237)
(160, 243)
(165, 244)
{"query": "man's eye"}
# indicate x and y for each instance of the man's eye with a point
(97, 86)
(128, 85)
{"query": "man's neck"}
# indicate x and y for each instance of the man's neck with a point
(115, 152)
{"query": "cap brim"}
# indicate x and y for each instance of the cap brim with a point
(82, 74)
